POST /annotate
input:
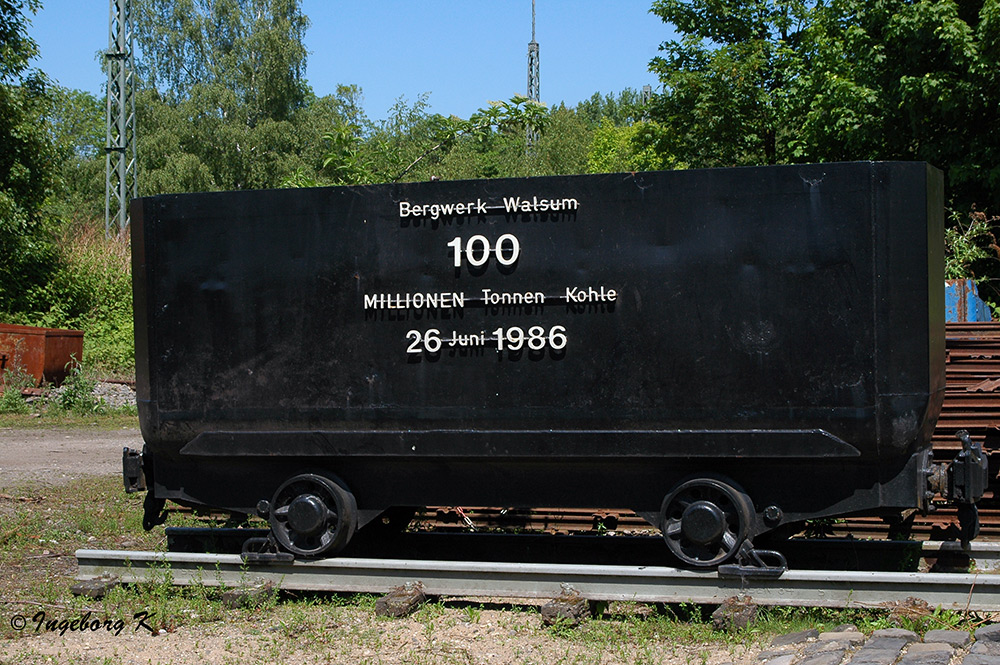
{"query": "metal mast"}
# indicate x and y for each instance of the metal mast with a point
(120, 173)
(533, 85)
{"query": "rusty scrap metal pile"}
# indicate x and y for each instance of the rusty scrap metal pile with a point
(972, 402)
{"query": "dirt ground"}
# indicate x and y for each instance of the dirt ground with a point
(348, 636)
(55, 456)
(328, 632)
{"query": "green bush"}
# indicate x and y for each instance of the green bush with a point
(11, 400)
(77, 393)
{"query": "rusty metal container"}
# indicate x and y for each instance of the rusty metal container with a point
(43, 353)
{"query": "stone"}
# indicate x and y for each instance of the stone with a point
(956, 638)
(985, 648)
(878, 652)
(929, 647)
(874, 657)
(898, 633)
(96, 587)
(401, 601)
(784, 659)
(568, 609)
(771, 654)
(886, 643)
(930, 653)
(817, 647)
(988, 633)
(825, 658)
(795, 638)
(734, 614)
(249, 596)
(979, 659)
(907, 609)
(845, 628)
(927, 658)
(847, 636)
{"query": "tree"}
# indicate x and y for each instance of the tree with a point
(27, 252)
(725, 81)
(628, 148)
(412, 144)
(250, 48)
(622, 110)
(562, 147)
(768, 82)
(224, 98)
(904, 80)
(76, 124)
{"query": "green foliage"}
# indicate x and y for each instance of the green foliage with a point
(726, 79)
(413, 144)
(343, 163)
(624, 109)
(87, 286)
(226, 105)
(103, 266)
(16, 47)
(26, 262)
(918, 85)
(26, 171)
(562, 146)
(790, 81)
(77, 392)
(972, 252)
(784, 81)
(970, 243)
(76, 124)
(626, 148)
(13, 380)
(916, 616)
(251, 49)
(518, 115)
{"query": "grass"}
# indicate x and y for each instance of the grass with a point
(59, 419)
(41, 527)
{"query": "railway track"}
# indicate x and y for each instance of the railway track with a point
(502, 579)
(941, 525)
(639, 550)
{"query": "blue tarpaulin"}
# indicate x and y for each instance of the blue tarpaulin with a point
(962, 302)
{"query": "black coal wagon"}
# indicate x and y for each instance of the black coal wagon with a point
(722, 351)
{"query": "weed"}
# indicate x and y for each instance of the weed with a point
(12, 380)
(472, 613)
(77, 392)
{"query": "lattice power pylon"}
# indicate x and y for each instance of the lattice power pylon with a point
(533, 85)
(120, 184)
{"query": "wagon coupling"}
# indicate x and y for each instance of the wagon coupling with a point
(968, 477)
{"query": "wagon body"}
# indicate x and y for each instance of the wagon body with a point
(582, 341)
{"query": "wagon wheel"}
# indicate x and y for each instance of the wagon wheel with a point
(312, 515)
(705, 521)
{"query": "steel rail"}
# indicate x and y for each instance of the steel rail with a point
(956, 591)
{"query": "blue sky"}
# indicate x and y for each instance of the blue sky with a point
(463, 52)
